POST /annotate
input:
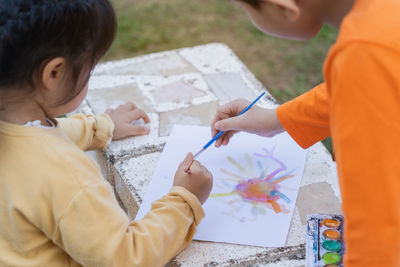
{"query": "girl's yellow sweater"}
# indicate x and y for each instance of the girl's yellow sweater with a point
(57, 210)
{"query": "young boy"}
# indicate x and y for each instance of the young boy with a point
(358, 105)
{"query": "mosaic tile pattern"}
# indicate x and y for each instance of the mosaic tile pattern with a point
(186, 86)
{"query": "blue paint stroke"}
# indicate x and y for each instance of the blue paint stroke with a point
(281, 195)
(260, 166)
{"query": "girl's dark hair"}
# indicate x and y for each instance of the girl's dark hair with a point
(33, 32)
(254, 3)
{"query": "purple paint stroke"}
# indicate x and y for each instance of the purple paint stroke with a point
(269, 154)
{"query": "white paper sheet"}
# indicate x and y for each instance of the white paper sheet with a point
(256, 182)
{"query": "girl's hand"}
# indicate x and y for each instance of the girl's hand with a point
(256, 120)
(199, 181)
(123, 116)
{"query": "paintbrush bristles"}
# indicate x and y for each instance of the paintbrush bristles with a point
(198, 153)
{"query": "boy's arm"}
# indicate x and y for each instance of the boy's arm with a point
(306, 118)
(88, 132)
(95, 231)
(365, 121)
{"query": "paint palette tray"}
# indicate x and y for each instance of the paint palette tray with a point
(325, 244)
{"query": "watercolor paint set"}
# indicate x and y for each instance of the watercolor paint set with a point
(325, 244)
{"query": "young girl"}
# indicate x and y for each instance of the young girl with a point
(55, 208)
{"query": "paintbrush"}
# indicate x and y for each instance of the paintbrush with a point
(219, 134)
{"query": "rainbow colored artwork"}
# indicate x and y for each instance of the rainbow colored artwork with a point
(256, 186)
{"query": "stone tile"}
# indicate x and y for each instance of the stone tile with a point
(186, 98)
(220, 254)
(109, 81)
(132, 177)
(137, 145)
(175, 92)
(165, 64)
(212, 58)
(317, 198)
(320, 168)
(195, 115)
(102, 99)
(282, 263)
(228, 86)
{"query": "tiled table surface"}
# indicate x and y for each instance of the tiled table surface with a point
(186, 86)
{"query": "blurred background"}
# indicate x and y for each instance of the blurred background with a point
(286, 68)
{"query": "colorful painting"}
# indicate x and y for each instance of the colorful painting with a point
(256, 181)
(254, 185)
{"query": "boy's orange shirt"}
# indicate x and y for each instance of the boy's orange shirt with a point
(359, 106)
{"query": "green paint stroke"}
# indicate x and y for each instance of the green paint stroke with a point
(240, 167)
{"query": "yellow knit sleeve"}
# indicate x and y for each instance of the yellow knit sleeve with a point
(88, 132)
(95, 231)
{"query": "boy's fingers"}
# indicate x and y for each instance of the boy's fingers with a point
(228, 137)
(218, 142)
(214, 131)
(226, 141)
(234, 123)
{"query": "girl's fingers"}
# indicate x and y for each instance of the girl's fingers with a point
(127, 106)
(186, 162)
(138, 114)
(134, 130)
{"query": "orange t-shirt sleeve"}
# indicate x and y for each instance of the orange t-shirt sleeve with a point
(364, 84)
(306, 118)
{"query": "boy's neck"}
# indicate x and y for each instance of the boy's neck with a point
(332, 12)
(17, 109)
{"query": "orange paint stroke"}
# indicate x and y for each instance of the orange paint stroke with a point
(232, 174)
(282, 179)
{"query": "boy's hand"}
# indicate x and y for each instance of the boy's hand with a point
(123, 116)
(256, 120)
(199, 181)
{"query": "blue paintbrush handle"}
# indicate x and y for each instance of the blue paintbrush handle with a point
(218, 135)
(221, 133)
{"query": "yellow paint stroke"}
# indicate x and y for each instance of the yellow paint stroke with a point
(222, 194)
(250, 163)
(240, 167)
(282, 179)
(240, 178)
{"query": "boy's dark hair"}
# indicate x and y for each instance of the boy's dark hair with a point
(33, 32)
(254, 3)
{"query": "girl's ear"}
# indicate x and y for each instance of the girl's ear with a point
(290, 8)
(53, 74)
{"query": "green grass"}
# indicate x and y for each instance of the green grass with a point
(286, 68)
